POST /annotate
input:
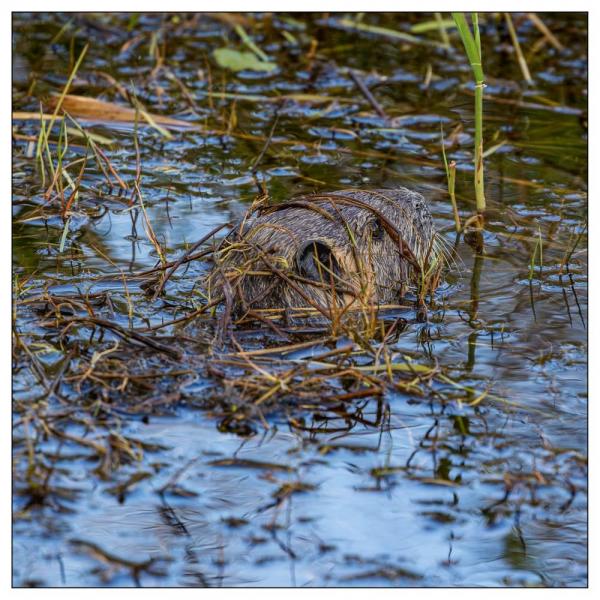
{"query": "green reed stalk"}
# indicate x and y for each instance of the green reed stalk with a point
(472, 44)
(451, 178)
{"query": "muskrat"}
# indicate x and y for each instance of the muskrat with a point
(345, 249)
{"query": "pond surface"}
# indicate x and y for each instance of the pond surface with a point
(133, 466)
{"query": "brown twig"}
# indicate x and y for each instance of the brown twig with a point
(364, 90)
(126, 334)
(186, 255)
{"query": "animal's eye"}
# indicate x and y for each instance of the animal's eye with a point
(376, 229)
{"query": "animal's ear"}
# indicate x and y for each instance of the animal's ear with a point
(315, 261)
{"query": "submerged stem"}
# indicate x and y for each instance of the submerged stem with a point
(478, 158)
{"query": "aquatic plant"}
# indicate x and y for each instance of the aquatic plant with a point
(451, 178)
(472, 44)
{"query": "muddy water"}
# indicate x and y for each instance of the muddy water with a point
(478, 482)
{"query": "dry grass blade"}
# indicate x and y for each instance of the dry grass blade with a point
(517, 46)
(542, 27)
(385, 32)
(138, 191)
(98, 110)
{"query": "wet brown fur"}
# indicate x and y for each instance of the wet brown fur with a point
(344, 249)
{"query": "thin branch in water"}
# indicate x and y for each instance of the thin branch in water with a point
(364, 90)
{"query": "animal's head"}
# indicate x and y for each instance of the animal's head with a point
(352, 246)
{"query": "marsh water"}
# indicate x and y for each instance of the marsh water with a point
(135, 467)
